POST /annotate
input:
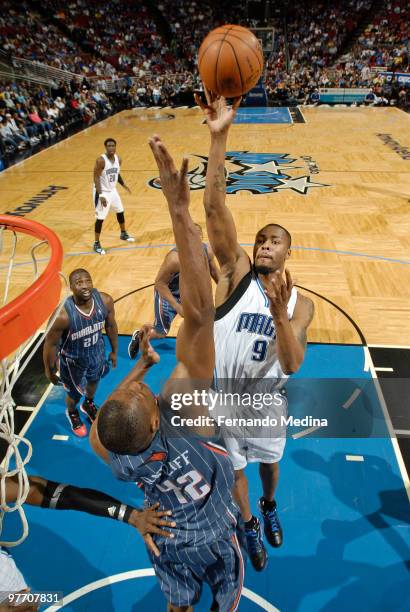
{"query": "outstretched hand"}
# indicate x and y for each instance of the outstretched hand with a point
(151, 521)
(219, 116)
(148, 354)
(174, 183)
(279, 292)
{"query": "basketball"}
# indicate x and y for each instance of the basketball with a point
(230, 61)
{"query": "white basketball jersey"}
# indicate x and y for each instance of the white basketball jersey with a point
(245, 334)
(109, 176)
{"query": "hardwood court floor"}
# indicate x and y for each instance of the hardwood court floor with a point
(350, 231)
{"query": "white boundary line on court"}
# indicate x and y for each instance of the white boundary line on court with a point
(352, 398)
(393, 438)
(367, 361)
(389, 346)
(29, 345)
(304, 118)
(143, 573)
(290, 115)
(31, 418)
(36, 409)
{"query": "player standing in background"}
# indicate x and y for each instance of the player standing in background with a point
(260, 327)
(105, 194)
(76, 338)
(167, 299)
(183, 470)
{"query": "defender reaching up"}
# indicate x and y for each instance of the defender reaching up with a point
(183, 470)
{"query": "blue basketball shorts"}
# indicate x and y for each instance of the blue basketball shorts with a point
(183, 570)
(164, 314)
(75, 375)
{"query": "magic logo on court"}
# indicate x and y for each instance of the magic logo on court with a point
(257, 173)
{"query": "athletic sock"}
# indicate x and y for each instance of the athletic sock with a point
(252, 523)
(267, 505)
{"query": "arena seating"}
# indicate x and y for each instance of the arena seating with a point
(148, 56)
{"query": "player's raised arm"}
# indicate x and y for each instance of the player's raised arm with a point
(195, 344)
(220, 224)
(213, 266)
(51, 344)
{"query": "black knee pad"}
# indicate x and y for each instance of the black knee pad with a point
(98, 226)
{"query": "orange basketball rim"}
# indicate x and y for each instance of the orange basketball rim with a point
(20, 318)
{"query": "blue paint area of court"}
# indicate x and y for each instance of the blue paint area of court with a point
(263, 115)
(345, 523)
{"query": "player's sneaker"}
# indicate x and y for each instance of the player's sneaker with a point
(98, 248)
(256, 549)
(127, 237)
(78, 427)
(271, 525)
(89, 409)
(134, 345)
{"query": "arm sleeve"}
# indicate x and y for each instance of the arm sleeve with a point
(68, 497)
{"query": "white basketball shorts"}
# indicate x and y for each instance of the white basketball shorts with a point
(113, 202)
(11, 579)
(252, 443)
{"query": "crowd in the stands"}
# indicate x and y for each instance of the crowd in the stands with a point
(31, 114)
(312, 53)
(123, 54)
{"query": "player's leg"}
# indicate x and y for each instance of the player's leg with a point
(72, 379)
(180, 586)
(241, 496)
(268, 451)
(254, 539)
(164, 315)
(269, 473)
(226, 575)
(97, 231)
(124, 234)
(237, 449)
(95, 372)
(118, 208)
(101, 213)
(88, 407)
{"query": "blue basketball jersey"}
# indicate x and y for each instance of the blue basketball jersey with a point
(173, 284)
(191, 476)
(83, 340)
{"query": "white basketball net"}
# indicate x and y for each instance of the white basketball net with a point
(19, 449)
